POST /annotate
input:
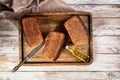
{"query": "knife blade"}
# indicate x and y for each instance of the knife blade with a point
(28, 56)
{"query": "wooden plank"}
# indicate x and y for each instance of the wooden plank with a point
(99, 10)
(8, 24)
(10, 50)
(60, 75)
(5, 33)
(9, 41)
(106, 44)
(102, 62)
(92, 2)
(106, 26)
(102, 44)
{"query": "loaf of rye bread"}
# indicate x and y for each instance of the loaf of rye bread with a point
(31, 31)
(53, 45)
(76, 31)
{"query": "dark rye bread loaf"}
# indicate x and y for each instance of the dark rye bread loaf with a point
(31, 31)
(53, 45)
(76, 31)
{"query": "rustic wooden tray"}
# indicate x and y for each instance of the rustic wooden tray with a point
(51, 22)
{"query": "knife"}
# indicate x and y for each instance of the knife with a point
(28, 56)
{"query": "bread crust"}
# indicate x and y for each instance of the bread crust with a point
(53, 45)
(76, 30)
(31, 31)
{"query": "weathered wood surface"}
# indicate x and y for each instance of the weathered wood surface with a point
(106, 43)
(92, 1)
(99, 10)
(60, 76)
(106, 26)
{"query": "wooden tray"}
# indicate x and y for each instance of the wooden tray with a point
(51, 22)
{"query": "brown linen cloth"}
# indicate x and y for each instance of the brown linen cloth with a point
(11, 9)
(40, 6)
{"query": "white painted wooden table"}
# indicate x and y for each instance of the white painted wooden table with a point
(106, 32)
